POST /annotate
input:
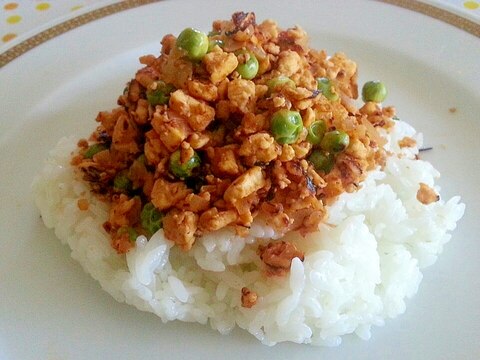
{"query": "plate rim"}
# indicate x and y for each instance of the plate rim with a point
(74, 22)
(30, 58)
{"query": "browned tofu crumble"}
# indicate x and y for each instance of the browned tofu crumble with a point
(407, 142)
(248, 298)
(278, 256)
(426, 195)
(83, 204)
(225, 119)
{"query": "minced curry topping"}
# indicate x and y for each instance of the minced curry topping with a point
(245, 122)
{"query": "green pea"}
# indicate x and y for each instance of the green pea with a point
(280, 81)
(248, 65)
(374, 91)
(132, 233)
(335, 141)
(326, 87)
(142, 159)
(161, 94)
(121, 182)
(286, 126)
(215, 42)
(321, 161)
(194, 43)
(151, 218)
(184, 170)
(316, 131)
(94, 149)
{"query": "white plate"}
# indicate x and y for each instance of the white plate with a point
(50, 309)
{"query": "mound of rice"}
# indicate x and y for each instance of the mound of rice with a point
(359, 268)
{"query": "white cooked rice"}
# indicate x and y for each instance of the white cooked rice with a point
(358, 269)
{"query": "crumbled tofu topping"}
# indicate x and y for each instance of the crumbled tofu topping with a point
(193, 146)
(278, 256)
(426, 195)
(83, 204)
(407, 142)
(249, 298)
